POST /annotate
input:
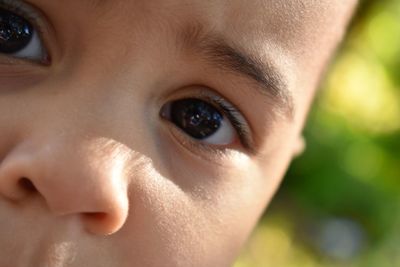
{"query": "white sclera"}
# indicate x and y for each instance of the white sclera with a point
(33, 51)
(225, 135)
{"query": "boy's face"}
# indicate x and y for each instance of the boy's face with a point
(155, 132)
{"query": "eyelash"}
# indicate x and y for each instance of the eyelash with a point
(21, 9)
(236, 119)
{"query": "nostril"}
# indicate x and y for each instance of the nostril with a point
(27, 185)
(98, 216)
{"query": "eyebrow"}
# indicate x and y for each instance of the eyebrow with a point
(217, 51)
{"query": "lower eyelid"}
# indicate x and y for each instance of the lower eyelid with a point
(216, 155)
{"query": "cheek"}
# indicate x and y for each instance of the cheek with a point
(201, 222)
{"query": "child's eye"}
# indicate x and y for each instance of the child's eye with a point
(19, 38)
(200, 120)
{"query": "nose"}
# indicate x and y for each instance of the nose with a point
(85, 180)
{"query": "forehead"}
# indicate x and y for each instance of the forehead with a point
(278, 21)
(290, 25)
(290, 29)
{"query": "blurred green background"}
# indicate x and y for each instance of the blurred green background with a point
(340, 202)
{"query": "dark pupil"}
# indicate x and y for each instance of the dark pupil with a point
(15, 32)
(197, 118)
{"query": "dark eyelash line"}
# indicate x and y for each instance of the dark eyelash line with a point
(21, 9)
(236, 120)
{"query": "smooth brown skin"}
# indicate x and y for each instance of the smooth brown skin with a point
(112, 183)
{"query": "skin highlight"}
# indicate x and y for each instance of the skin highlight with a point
(92, 175)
